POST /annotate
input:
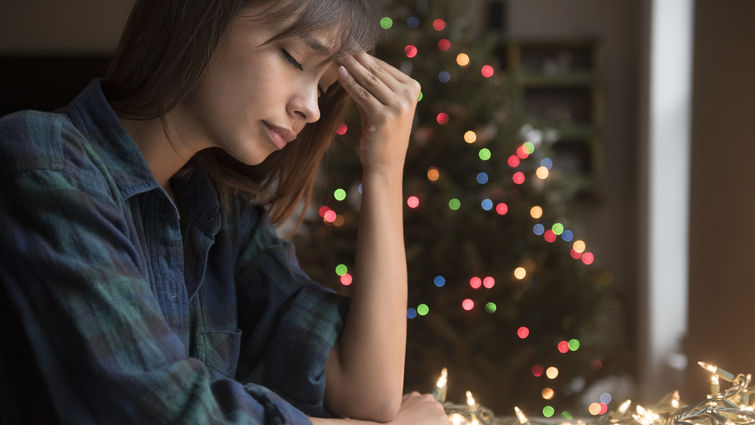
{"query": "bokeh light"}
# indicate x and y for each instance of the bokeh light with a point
(551, 372)
(537, 370)
(475, 282)
(323, 209)
(487, 71)
(470, 136)
(484, 154)
(574, 344)
(467, 304)
(462, 59)
(412, 202)
(342, 129)
(520, 273)
(329, 216)
(547, 163)
(563, 347)
(575, 255)
(579, 246)
(482, 177)
(594, 409)
(423, 309)
(386, 22)
(502, 208)
(439, 24)
(454, 204)
(538, 229)
(523, 332)
(411, 313)
(548, 411)
(341, 269)
(444, 76)
(346, 279)
(444, 44)
(518, 177)
(549, 236)
(557, 228)
(528, 147)
(488, 282)
(412, 22)
(536, 212)
(486, 204)
(439, 281)
(433, 174)
(605, 398)
(339, 221)
(522, 153)
(339, 194)
(421, 95)
(547, 393)
(567, 236)
(442, 118)
(410, 51)
(588, 258)
(491, 307)
(542, 173)
(513, 161)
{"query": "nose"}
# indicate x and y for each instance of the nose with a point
(305, 105)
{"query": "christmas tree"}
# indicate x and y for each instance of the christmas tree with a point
(502, 291)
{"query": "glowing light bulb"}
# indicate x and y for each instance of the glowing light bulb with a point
(470, 399)
(457, 419)
(470, 136)
(520, 416)
(675, 400)
(723, 374)
(624, 406)
(462, 59)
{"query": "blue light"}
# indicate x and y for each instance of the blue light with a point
(547, 163)
(412, 22)
(487, 204)
(360, 188)
(439, 281)
(567, 236)
(482, 177)
(605, 398)
(411, 312)
(539, 229)
(444, 76)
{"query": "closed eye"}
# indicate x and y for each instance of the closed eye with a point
(290, 59)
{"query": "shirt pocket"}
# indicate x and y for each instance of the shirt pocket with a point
(219, 351)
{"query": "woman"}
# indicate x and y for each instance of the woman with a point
(142, 279)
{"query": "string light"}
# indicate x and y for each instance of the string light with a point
(487, 71)
(433, 174)
(410, 51)
(412, 202)
(520, 273)
(502, 208)
(462, 59)
(439, 24)
(536, 212)
(442, 118)
(386, 22)
(444, 76)
(470, 136)
(518, 177)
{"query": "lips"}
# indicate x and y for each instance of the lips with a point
(279, 136)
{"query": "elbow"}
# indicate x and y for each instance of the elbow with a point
(385, 410)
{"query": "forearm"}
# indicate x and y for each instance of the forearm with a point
(369, 376)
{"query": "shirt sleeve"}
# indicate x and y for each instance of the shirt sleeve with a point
(72, 278)
(290, 323)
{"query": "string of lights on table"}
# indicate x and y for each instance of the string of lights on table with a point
(729, 407)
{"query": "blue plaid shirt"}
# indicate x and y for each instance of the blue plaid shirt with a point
(123, 307)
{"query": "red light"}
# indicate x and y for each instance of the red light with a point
(323, 209)
(346, 279)
(518, 177)
(444, 45)
(487, 71)
(475, 282)
(439, 24)
(513, 161)
(410, 51)
(330, 216)
(575, 255)
(538, 370)
(563, 347)
(442, 118)
(603, 409)
(588, 258)
(467, 304)
(523, 333)
(342, 129)
(521, 153)
(488, 282)
(549, 236)
(596, 364)
(502, 208)
(412, 202)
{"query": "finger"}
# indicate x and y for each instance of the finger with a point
(362, 97)
(375, 66)
(393, 71)
(368, 80)
(400, 81)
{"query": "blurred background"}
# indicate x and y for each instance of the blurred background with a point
(644, 110)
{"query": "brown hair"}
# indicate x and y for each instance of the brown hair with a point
(165, 49)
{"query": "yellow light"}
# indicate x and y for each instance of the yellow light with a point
(520, 273)
(433, 174)
(594, 409)
(339, 221)
(551, 372)
(542, 173)
(470, 400)
(624, 406)
(443, 378)
(475, 422)
(462, 59)
(536, 212)
(579, 246)
(457, 419)
(470, 136)
(675, 400)
(520, 415)
(547, 393)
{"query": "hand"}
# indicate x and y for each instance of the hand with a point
(386, 99)
(421, 409)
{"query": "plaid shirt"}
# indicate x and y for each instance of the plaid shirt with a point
(122, 307)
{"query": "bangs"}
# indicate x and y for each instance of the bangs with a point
(356, 27)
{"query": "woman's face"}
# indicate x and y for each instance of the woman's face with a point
(254, 98)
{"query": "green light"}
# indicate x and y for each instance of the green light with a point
(485, 154)
(548, 411)
(574, 344)
(341, 269)
(529, 147)
(423, 309)
(454, 204)
(420, 97)
(491, 307)
(567, 415)
(558, 228)
(339, 194)
(386, 22)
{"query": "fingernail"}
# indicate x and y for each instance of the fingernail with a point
(343, 72)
